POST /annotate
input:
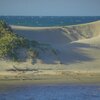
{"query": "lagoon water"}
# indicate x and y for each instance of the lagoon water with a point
(51, 92)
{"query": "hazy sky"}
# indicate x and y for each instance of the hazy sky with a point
(50, 7)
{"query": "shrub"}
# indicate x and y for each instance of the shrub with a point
(10, 42)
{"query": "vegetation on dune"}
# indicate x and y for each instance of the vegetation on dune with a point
(10, 42)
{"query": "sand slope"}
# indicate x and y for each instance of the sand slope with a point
(59, 35)
(77, 47)
(48, 36)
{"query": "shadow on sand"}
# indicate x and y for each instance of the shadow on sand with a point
(68, 54)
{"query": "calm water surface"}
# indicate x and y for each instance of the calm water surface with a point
(51, 92)
(44, 21)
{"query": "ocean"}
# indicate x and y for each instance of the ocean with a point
(48, 21)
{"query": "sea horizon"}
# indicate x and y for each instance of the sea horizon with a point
(48, 21)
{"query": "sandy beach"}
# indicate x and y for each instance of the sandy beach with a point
(49, 77)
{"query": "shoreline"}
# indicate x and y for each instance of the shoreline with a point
(60, 77)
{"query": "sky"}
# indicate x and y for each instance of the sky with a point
(50, 7)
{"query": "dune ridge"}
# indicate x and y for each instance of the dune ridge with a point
(64, 34)
(74, 44)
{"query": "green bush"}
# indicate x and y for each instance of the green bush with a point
(10, 42)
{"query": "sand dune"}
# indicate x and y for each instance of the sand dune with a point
(77, 46)
(59, 35)
(48, 36)
(77, 57)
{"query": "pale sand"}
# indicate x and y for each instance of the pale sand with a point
(50, 77)
(31, 28)
(77, 61)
